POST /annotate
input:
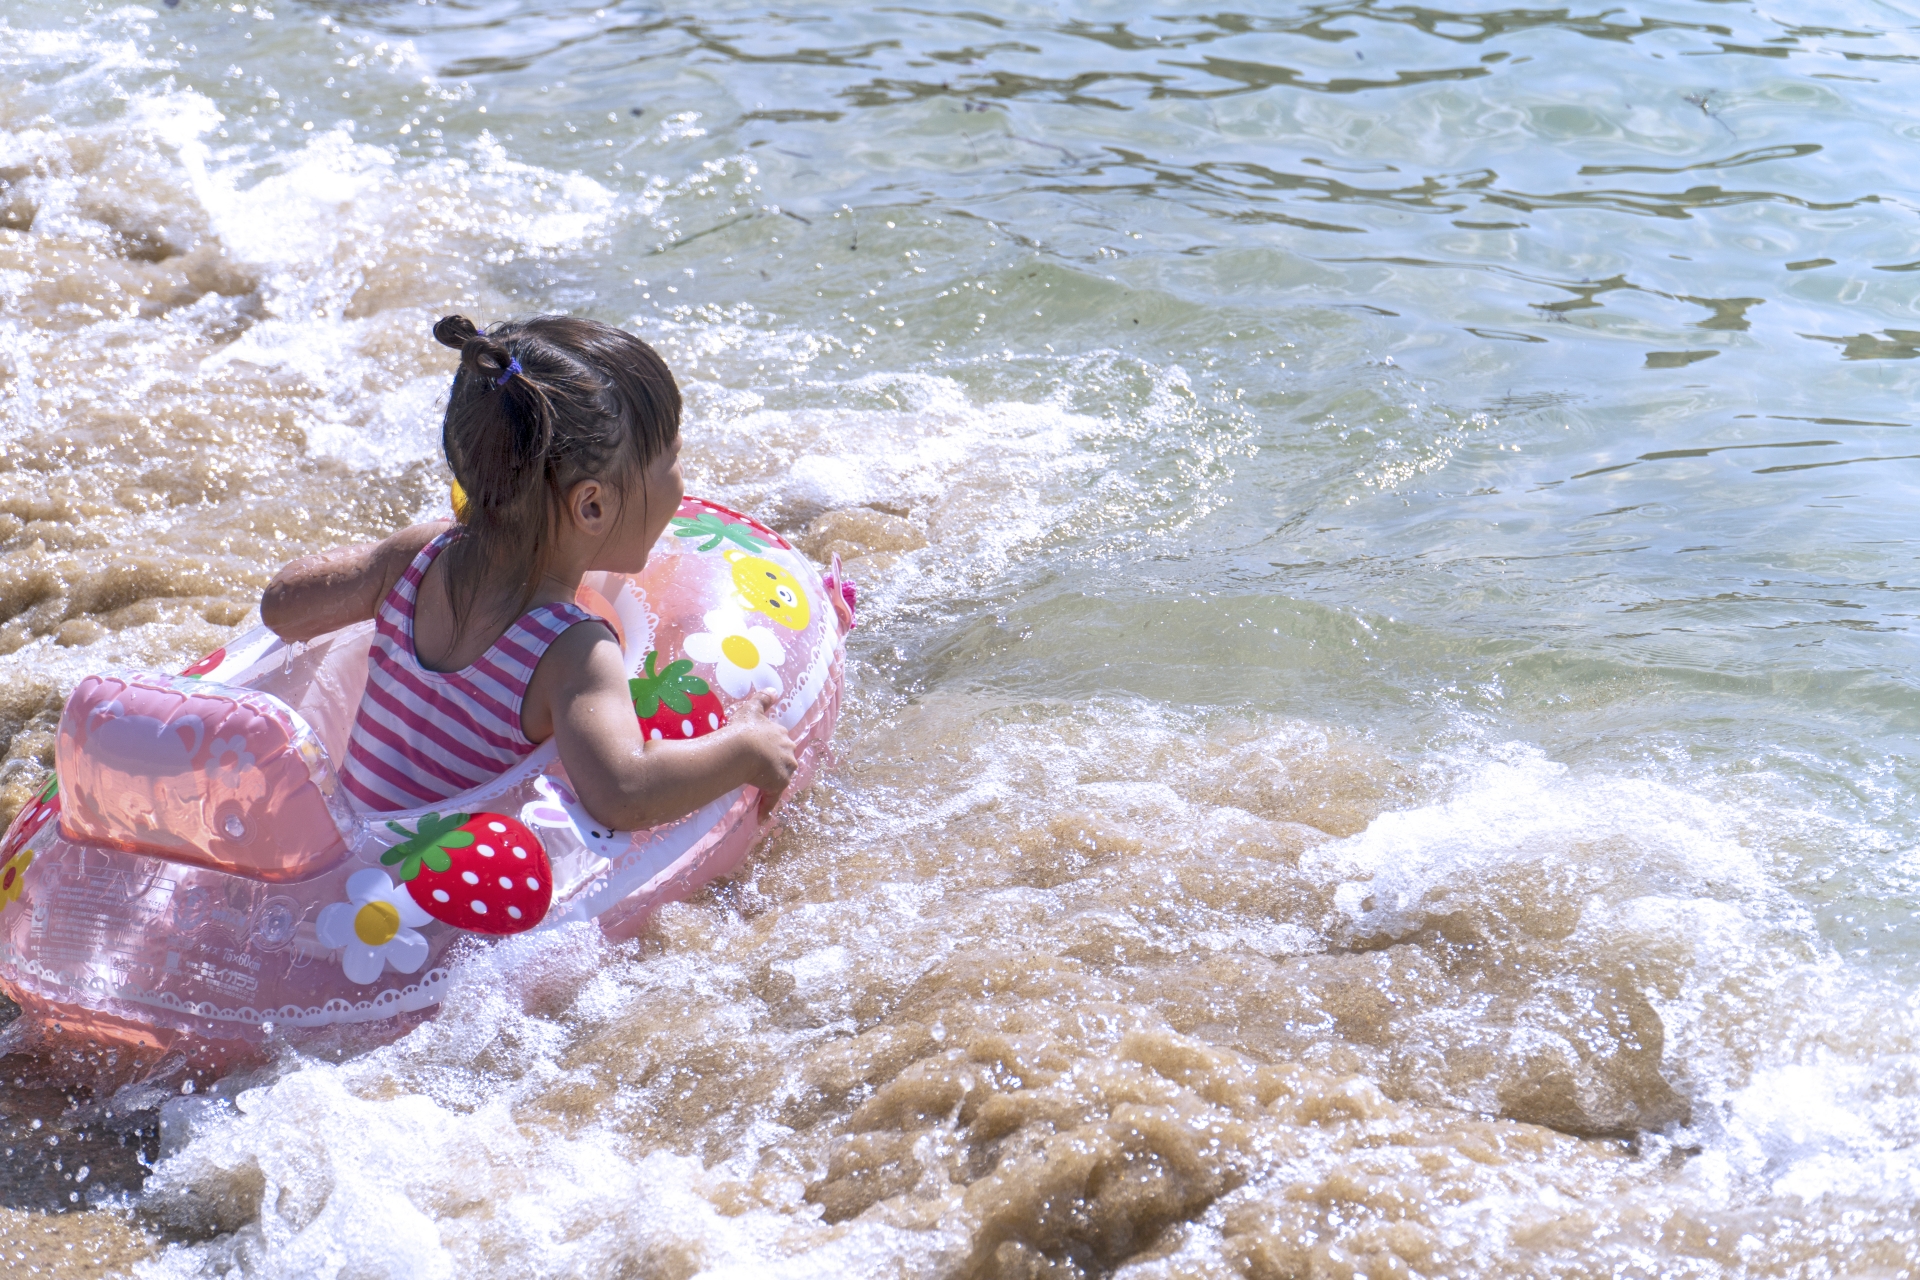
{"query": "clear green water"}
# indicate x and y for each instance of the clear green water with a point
(1418, 593)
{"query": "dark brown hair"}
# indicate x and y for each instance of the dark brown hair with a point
(537, 406)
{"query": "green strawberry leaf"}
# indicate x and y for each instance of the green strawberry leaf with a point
(640, 688)
(716, 530)
(428, 842)
(675, 685)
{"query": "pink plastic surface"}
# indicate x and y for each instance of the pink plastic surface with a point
(198, 773)
(206, 885)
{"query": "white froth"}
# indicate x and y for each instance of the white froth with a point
(1522, 807)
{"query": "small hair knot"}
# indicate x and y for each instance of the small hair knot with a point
(454, 331)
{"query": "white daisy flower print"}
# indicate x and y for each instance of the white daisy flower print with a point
(374, 928)
(744, 658)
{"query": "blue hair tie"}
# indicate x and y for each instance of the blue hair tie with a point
(513, 367)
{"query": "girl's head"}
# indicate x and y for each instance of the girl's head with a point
(539, 408)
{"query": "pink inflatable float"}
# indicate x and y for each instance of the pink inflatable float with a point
(208, 884)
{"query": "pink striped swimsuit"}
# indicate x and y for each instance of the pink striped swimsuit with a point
(421, 735)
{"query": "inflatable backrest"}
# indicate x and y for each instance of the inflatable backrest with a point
(201, 773)
(322, 681)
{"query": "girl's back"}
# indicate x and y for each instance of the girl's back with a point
(424, 734)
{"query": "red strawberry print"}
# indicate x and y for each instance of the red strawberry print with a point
(207, 663)
(673, 703)
(35, 816)
(484, 872)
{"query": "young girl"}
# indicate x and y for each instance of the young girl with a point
(565, 436)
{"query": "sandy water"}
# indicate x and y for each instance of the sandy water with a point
(1381, 729)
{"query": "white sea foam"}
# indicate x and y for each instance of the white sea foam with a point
(1797, 1071)
(1800, 1070)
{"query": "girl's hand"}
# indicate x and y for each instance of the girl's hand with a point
(770, 749)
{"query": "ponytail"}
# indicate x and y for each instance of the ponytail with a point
(499, 425)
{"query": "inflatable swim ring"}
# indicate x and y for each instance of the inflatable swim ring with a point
(208, 884)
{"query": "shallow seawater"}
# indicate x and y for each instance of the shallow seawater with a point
(1380, 739)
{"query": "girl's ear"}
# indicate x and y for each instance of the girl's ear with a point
(590, 505)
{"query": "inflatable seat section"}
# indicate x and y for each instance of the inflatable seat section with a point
(200, 773)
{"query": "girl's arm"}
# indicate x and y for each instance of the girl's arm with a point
(579, 692)
(324, 592)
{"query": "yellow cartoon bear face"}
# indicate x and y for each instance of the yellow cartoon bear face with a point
(767, 587)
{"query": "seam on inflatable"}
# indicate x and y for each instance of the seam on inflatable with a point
(410, 998)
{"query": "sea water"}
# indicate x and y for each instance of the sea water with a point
(1380, 733)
